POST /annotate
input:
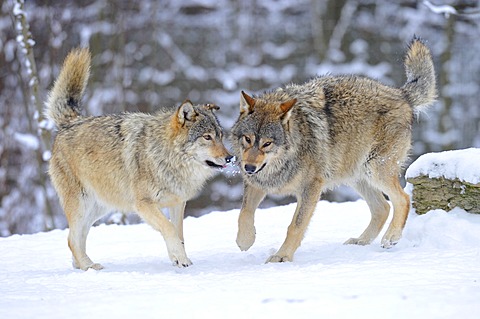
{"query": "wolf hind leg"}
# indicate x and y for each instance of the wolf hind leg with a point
(401, 206)
(77, 242)
(379, 209)
(81, 214)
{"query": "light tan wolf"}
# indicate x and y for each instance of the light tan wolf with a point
(128, 162)
(302, 139)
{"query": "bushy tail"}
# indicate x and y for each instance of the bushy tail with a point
(63, 104)
(420, 87)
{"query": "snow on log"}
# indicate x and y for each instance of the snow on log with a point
(446, 180)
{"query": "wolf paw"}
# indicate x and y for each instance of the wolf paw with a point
(357, 241)
(86, 265)
(245, 239)
(96, 266)
(182, 263)
(278, 259)
(388, 244)
(390, 240)
(177, 254)
(93, 266)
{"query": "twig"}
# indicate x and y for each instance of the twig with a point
(448, 10)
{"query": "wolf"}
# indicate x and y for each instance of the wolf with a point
(302, 139)
(131, 162)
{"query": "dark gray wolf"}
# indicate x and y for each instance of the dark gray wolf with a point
(302, 139)
(129, 162)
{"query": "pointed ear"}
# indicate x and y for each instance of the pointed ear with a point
(186, 113)
(246, 103)
(286, 108)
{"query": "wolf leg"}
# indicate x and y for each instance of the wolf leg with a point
(150, 212)
(77, 238)
(306, 204)
(379, 208)
(401, 205)
(246, 229)
(81, 215)
(176, 217)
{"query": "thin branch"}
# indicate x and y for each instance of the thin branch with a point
(448, 10)
(335, 43)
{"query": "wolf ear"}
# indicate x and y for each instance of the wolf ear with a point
(186, 112)
(286, 108)
(246, 103)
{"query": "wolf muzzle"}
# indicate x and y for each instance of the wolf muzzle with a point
(252, 169)
(228, 160)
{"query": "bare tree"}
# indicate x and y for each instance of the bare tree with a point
(38, 124)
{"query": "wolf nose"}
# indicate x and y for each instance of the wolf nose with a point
(250, 169)
(229, 158)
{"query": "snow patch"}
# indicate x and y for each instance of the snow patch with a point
(461, 164)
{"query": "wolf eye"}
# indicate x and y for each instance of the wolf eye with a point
(207, 137)
(267, 144)
(247, 139)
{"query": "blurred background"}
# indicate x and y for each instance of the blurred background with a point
(153, 53)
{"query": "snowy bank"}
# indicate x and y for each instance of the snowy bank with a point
(461, 164)
(446, 180)
(431, 273)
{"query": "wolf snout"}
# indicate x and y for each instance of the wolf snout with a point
(253, 169)
(229, 159)
(250, 169)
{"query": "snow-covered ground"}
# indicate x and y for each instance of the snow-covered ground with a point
(434, 271)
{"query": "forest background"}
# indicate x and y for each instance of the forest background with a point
(151, 53)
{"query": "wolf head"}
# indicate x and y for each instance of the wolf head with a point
(259, 135)
(203, 134)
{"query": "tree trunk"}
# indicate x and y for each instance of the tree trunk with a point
(38, 125)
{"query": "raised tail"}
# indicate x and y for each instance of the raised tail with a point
(63, 103)
(420, 87)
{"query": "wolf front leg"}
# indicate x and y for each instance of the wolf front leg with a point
(252, 197)
(306, 203)
(176, 217)
(150, 212)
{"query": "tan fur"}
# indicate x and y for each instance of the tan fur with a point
(332, 130)
(132, 162)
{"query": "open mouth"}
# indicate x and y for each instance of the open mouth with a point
(212, 164)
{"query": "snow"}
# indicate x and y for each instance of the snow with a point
(28, 140)
(431, 273)
(46, 155)
(462, 164)
(440, 9)
(18, 8)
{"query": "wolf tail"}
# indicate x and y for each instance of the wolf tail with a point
(420, 87)
(63, 103)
